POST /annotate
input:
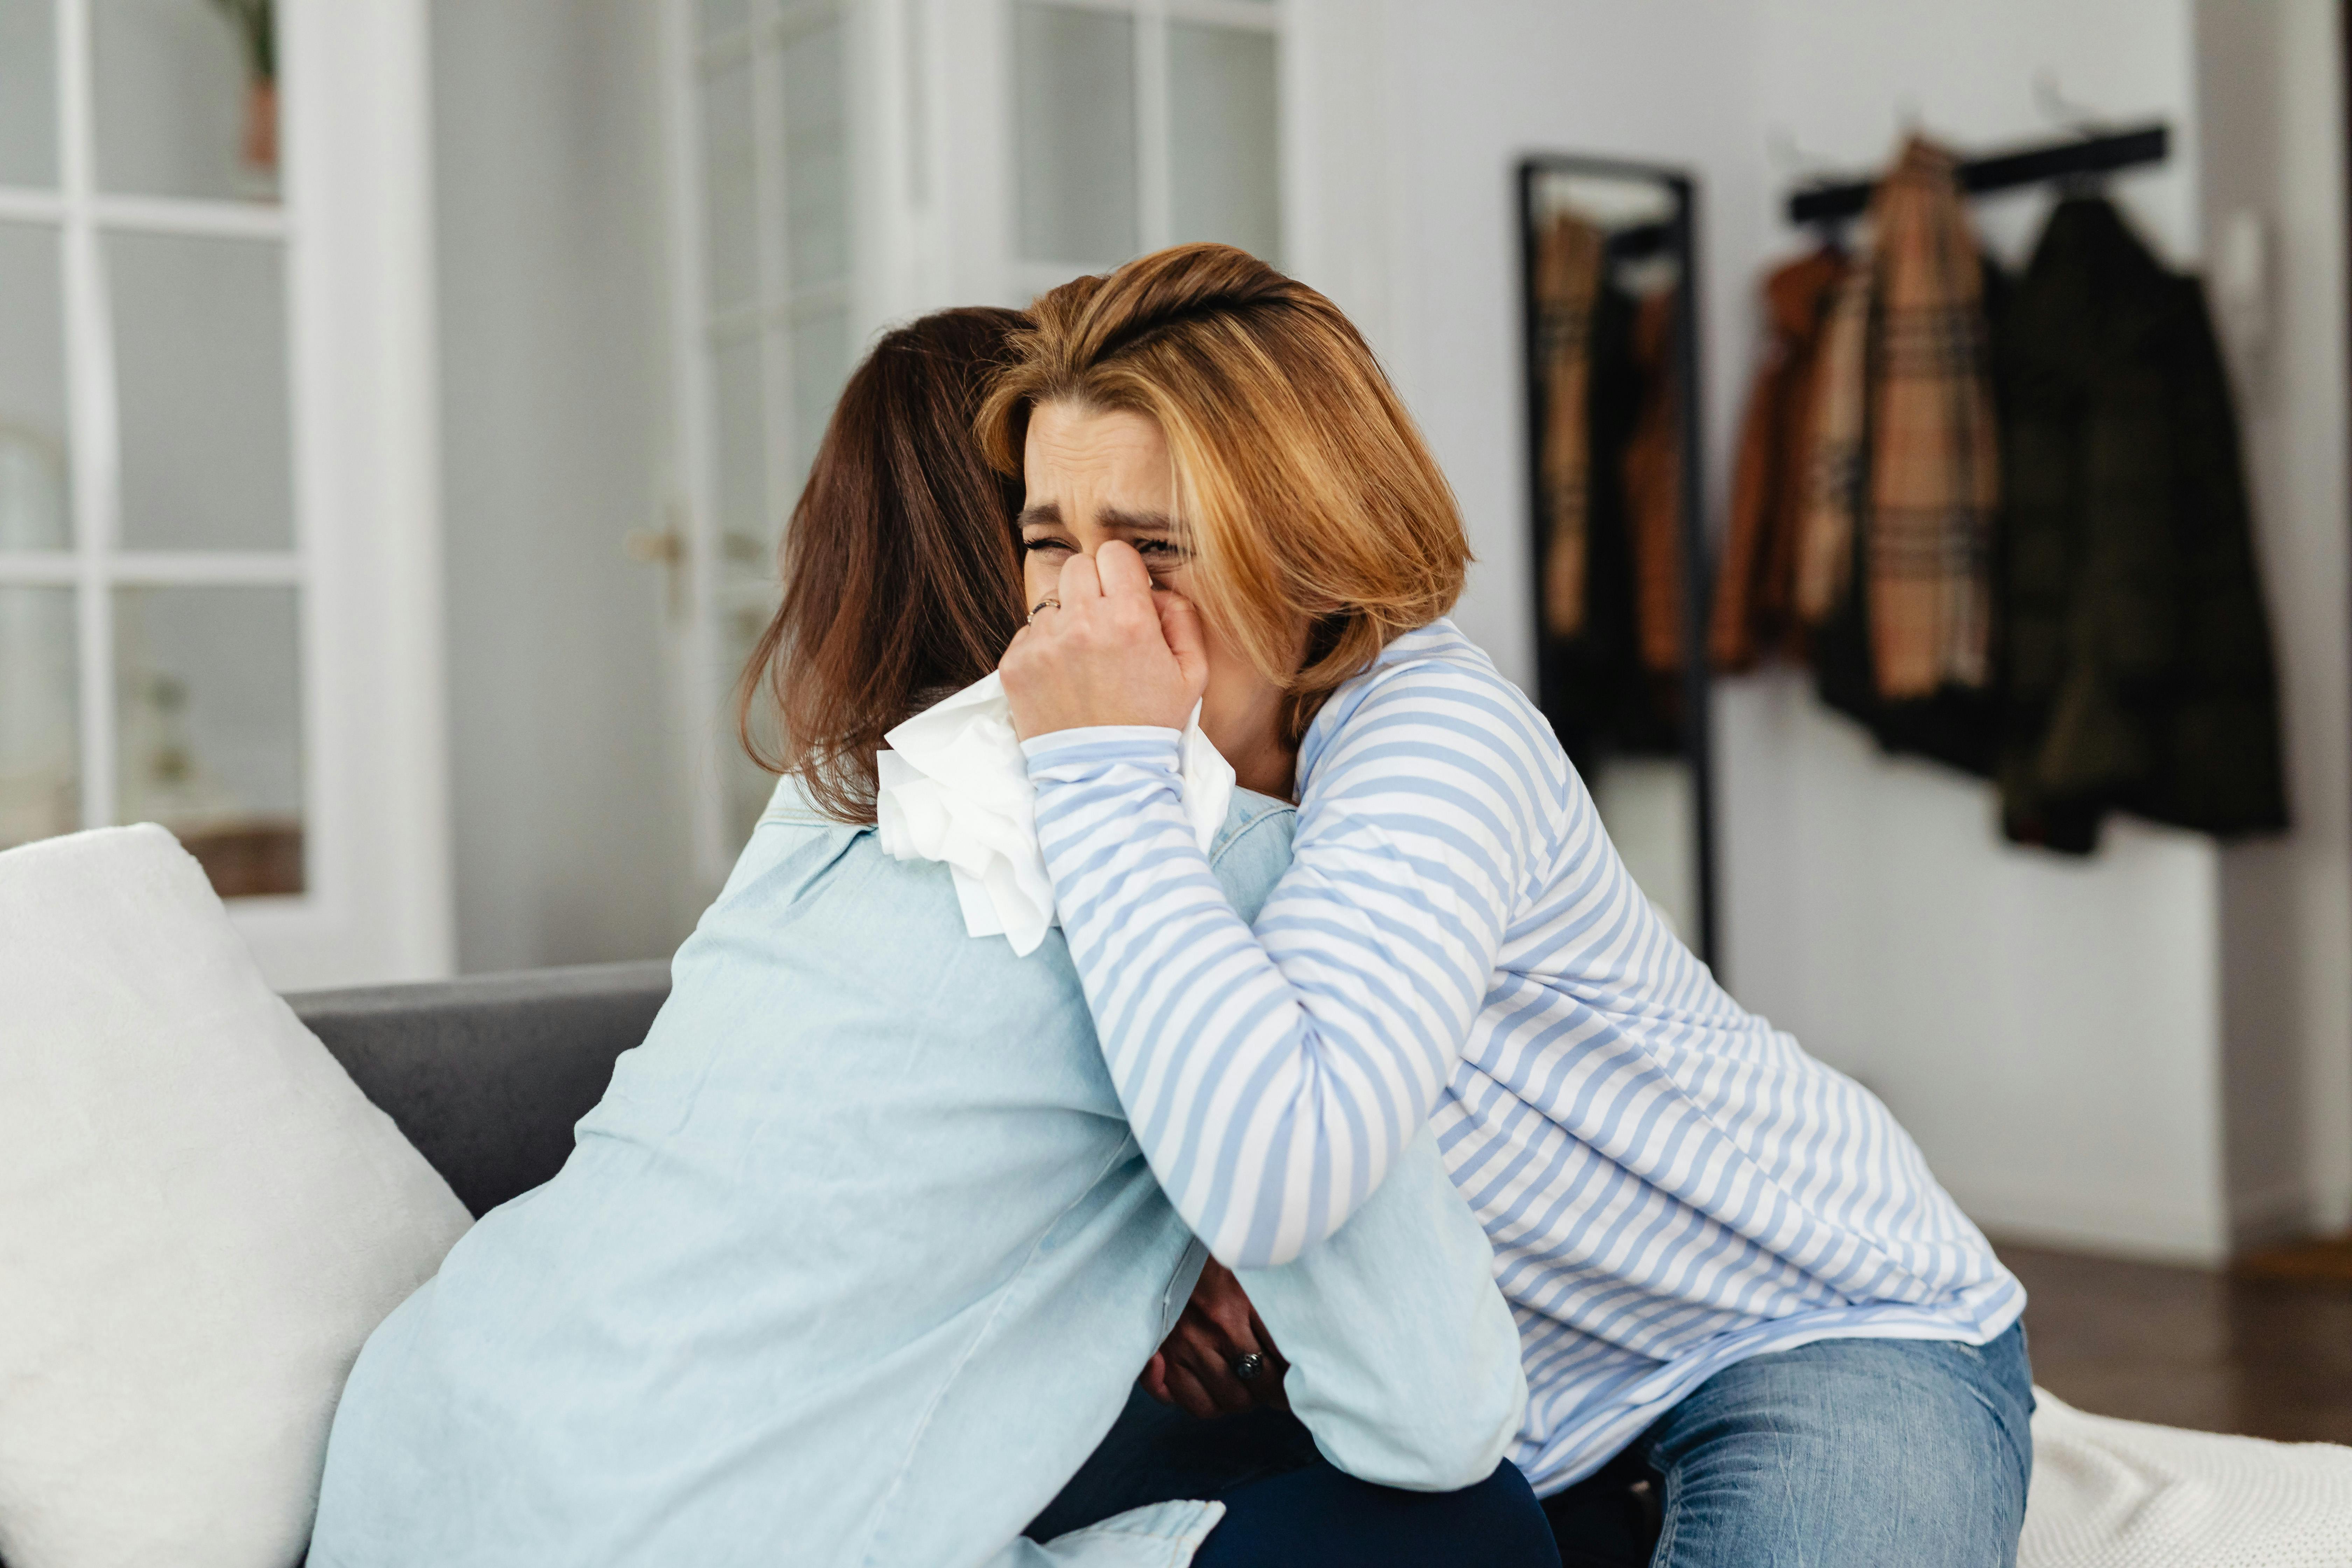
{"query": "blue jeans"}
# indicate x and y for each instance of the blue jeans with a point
(1847, 1452)
(1837, 1455)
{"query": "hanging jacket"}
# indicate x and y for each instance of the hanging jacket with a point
(1593, 686)
(2139, 669)
(1934, 471)
(1956, 725)
(1653, 491)
(1904, 471)
(1756, 586)
(1893, 572)
(1569, 269)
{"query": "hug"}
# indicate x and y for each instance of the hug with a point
(1359, 1170)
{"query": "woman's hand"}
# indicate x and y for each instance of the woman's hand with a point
(1195, 1368)
(1114, 652)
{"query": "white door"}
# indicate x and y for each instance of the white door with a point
(762, 270)
(839, 164)
(218, 559)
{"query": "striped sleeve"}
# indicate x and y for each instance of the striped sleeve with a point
(1271, 1075)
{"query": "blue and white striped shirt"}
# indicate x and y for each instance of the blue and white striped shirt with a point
(1670, 1183)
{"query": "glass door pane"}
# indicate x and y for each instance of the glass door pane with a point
(742, 442)
(209, 727)
(28, 93)
(820, 356)
(1223, 147)
(744, 786)
(1075, 147)
(816, 165)
(40, 769)
(200, 353)
(721, 17)
(185, 98)
(731, 209)
(32, 509)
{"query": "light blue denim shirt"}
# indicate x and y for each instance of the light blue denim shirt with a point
(856, 1261)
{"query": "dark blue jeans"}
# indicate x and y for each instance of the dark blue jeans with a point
(1835, 1455)
(1288, 1506)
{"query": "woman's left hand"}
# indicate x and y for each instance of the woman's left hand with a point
(1114, 652)
(1195, 1367)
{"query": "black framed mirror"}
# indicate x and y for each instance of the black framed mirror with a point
(1617, 527)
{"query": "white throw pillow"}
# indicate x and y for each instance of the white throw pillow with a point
(201, 1220)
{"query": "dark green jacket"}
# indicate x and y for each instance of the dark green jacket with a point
(2137, 661)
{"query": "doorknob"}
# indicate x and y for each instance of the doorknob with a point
(665, 547)
(649, 547)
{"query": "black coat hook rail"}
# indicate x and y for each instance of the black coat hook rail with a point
(2003, 171)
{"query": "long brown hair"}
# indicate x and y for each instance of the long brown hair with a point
(902, 580)
(1305, 488)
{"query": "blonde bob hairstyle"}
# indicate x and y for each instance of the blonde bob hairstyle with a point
(1302, 487)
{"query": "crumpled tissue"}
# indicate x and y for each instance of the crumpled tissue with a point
(954, 787)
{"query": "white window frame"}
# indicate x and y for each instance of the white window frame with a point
(355, 225)
(1155, 221)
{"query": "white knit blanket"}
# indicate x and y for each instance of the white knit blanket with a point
(2124, 1494)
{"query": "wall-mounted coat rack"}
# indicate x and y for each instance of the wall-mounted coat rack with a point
(2081, 155)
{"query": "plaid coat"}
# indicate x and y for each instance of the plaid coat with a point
(1756, 581)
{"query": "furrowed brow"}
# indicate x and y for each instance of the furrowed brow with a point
(1137, 522)
(1045, 514)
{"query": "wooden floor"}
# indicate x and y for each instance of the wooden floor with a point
(2266, 1356)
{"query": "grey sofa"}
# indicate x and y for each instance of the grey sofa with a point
(486, 1076)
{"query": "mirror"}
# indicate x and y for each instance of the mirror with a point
(1618, 545)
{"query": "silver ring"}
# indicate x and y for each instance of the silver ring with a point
(1049, 603)
(1247, 1367)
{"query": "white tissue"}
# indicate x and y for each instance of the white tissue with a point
(955, 788)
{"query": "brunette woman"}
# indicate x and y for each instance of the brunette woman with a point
(857, 1260)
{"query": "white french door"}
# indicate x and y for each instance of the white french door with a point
(765, 325)
(218, 551)
(839, 164)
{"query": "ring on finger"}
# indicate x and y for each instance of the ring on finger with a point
(1246, 1368)
(1049, 603)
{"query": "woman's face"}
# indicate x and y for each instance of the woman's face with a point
(1095, 476)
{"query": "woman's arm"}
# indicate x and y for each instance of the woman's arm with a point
(1272, 1075)
(1405, 1359)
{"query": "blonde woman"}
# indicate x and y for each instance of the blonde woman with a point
(1730, 1267)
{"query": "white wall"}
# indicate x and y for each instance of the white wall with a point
(2053, 1031)
(1421, 111)
(2048, 1030)
(570, 824)
(2272, 128)
(2150, 1051)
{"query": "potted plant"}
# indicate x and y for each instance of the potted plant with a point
(257, 35)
